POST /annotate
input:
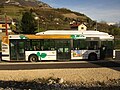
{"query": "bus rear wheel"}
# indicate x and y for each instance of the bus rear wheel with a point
(33, 58)
(92, 57)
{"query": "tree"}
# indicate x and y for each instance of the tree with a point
(28, 23)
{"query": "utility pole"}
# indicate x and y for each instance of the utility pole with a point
(6, 28)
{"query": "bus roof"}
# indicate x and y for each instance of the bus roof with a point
(66, 34)
(87, 33)
(71, 32)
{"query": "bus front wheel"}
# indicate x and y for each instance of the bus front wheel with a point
(92, 57)
(33, 58)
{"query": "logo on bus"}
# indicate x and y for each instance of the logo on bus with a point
(41, 55)
(23, 37)
(77, 36)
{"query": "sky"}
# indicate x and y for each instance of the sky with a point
(99, 10)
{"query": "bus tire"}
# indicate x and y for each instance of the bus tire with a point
(33, 58)
(92, 57)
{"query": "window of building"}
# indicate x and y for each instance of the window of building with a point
(3, 25)
(82, 27)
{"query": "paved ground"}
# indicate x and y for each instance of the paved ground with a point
(93, 73)
(58, 65)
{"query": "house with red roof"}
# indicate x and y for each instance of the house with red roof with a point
(78, 26)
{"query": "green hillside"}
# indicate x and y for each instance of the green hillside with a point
(50, 18)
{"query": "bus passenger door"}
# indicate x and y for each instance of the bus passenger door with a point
(21, 50)
(17, 52)
(13, 50)
(63, 49)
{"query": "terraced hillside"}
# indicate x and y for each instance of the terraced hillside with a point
(50, 18)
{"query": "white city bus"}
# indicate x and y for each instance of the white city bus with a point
(58, 45)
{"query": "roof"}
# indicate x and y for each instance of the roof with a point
(76, 25)
(71, 32)
(88, 33)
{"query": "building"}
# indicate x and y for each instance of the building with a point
(3, 26)
(77, 26)
(82, 27)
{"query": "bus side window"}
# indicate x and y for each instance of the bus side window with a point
(52, 48)
(27, 45)
(38, 48)
(42, 48)
(34, 48)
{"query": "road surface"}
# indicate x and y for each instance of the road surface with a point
(58, 65)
